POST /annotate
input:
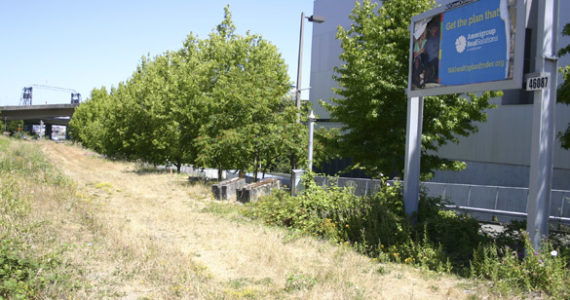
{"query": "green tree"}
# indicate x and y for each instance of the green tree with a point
(86, 124)
(372, 81)
(14, 126)
(156, 134)
(189, 107)
(248, 80)
(276, 139)
(564, 89)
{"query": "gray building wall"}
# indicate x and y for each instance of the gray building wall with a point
(326, 50)
(498, 154)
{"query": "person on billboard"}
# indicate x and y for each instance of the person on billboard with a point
(418, 74)
(431, 63)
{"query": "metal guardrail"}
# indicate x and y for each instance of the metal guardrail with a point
(501, 212)
(488, 201)
(483, 202)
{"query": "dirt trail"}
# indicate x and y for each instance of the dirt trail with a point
(150, 235)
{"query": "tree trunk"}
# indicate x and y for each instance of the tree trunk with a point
(219, 174)
(255, 169)
(178, 166)
(263, 173)
(266, 166)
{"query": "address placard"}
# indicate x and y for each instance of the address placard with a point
(536, 82)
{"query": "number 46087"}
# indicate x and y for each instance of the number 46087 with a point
(537, 83)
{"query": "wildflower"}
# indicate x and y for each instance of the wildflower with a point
(554, 253)
(535, 253)
(540, 261)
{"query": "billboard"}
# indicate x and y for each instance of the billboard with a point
(467, 46)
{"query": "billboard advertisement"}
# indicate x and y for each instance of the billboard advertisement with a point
(467, 45)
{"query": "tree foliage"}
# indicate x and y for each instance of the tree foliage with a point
(249, 80)
(13, 126)
(216, 102)
(371, 102)
(564, 89)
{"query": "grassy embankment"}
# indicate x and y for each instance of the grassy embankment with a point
(116, 231)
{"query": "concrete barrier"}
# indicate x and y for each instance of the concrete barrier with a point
(252, 192)
(226, 189)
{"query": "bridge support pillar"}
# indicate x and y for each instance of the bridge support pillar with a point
(48, 131)
(67, 133)
(28, 127)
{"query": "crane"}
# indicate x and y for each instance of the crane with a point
(28, 91)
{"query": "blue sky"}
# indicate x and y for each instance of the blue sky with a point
(81, 45)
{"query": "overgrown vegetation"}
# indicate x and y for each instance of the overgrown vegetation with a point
(14, 127)
(441, 240)
(511, 270)
(31, 266)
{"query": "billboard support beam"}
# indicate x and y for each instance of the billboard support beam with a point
(413, 155)
(540, 183)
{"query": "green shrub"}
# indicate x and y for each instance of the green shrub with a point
(423, 254)
(512, 271)
(455, 235)
(282, 209)
(371, 222)
(336, 213)
(278, 209)
(23, 276)
(374, 225)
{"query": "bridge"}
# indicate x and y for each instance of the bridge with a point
(49, 114)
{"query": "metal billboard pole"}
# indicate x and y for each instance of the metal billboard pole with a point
(413, 155)
(540, 183)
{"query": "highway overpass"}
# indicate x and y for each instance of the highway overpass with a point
(54, 114)
(49, 114)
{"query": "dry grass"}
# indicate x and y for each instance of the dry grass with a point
(137, 234)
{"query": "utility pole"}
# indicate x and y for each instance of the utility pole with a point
(299, 68)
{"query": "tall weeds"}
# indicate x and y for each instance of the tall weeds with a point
(30, 264)
(441, 240)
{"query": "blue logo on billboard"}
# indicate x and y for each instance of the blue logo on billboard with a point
(460, 44)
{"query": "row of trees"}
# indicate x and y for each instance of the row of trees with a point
(217, 102)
